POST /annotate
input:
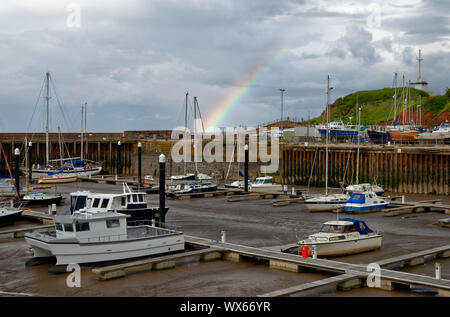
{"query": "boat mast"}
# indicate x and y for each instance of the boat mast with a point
(47, 98)
(185, 131)
(195, 131)
(359, 129)
(82, 137)
(395, 96)
(85, 127)
(60, 145)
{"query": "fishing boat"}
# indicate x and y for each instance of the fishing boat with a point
(42, 199)
(9, 215)
(264, 183)
(338, 129)
(92, 237)
(365, 201)
(128, 202)
(343, 237)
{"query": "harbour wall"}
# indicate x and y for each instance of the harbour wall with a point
(403, 169)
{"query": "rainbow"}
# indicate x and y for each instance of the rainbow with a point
(230, 103)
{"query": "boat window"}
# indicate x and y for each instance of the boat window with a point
(84, 226)
(123, 201)
(105, 203)
(68, 227)
(113, 223)
(349, 229)
(141, 198)
(335, 228)
(128, 198)
(268, 181)
(59, 227)
(96, 203)
(325, 228)
(135, 199)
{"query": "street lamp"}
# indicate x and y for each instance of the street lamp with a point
(282, 91)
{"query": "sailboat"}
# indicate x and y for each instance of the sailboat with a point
(327, 202)
(351, 189)
(63, 167)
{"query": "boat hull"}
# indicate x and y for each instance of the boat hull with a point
(10, 218)
(43, 201)
(341, 248)
(355, 208)
(77, 172)
(57, 180)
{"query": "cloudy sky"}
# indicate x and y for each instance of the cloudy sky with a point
(133, 60)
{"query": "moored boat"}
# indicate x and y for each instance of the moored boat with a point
(264, 183)
(86, 237)
(326, 202)
(9, 215)
(343, 237)
(351, 189)
(42, 199)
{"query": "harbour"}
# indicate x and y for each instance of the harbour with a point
(261, 227)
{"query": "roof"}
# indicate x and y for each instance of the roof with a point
(360, 225)
(339, 223)
(88, 217)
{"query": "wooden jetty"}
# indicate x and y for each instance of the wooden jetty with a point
(158, 263)
(416, 207)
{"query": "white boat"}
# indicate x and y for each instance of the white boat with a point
(86, 237)
(351, 189)
(365, 201)
(9, 215)
(237, 184)
(327, 202)
(343, 237)
(264, 184)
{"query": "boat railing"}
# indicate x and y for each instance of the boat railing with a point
(153, 223)
(107, 238)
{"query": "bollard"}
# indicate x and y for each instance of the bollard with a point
(438, 270)
(223, 236)
(17, 171)
(293, 191)
(140, 163)
(153, 222)
(119, 160)
(49, 209)
(285, 189)
(403, 199)
(162, 188)
(30, 169)
(53, 209)
(314, 251)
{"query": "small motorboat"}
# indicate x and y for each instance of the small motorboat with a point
(364, 187)
(265, 184)
(327, 202)
(90, 237)
(9, 215)
(189, 176)
(42, 199)
(343, 237)
(365, 201)
(191, 188)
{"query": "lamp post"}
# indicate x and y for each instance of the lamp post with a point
(282, 91)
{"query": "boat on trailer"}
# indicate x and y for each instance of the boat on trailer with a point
(92, 237)
(343, 237)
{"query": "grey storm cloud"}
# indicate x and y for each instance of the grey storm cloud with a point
(132, 61)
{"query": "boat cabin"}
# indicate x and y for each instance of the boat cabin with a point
(89, 227)
(108, 202)
(263, 180)
(346, 225)
(365, 198)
